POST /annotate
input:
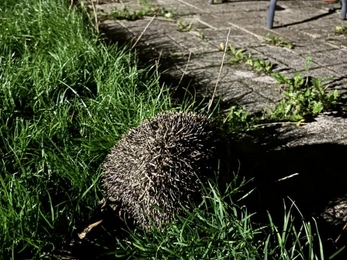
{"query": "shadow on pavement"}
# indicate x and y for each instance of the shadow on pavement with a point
(313, 176)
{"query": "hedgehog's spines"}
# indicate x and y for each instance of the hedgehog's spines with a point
(156, 165)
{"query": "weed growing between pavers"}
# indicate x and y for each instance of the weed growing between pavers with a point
(147, 10)
(240, 55)
(183, 26)
(304, 96)
(261, 65)
(201, 35)
(278, 41)
(238, 119)
(340, 29)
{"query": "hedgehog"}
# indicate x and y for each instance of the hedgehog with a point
(156, 169)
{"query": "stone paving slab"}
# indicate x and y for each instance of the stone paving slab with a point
(309, 24)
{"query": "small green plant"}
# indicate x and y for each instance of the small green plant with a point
(237, 54)
(278, 41)
(183, 26)
(175, 54)
(340, 29)
(303, 96)
(261, 65)
(201, 35)
(126, 14)
(240, 55)
(238, 119)
(169, 14)
(148, 10)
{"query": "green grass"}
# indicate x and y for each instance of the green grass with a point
(220, 227)
(215, 229)
(293, 241)
(65, 99)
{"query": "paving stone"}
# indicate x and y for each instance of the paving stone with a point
(248, 20)
(233, 92)
(284, 56)
(308, 24)
(204, 60)
(331, 57)
(339, 41)
(260, 32)
(214, 21)
(244, 41)
(236, 38)
(239, 93)
(305, 48)
(326, 126)
(179, 8)
(289, 35)
(323, 73)
(340, 69)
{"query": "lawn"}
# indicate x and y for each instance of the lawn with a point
(65, 100)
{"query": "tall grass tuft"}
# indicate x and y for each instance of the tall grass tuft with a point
(217, 228)
(294, 239)
(222, 228)
(65, 98)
